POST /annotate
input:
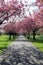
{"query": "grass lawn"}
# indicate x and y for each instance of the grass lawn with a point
(38, 42)
(4, 42)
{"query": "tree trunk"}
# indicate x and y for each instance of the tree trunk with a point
(34, 35)
(10, 37)
(28, 36)
(13, 36)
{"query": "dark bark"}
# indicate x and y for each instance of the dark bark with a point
(13, 36)
(34, 35)
(6, 18)
(28, 36)
(10, 37)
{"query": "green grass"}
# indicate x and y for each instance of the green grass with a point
(4, 42)
(38, 42)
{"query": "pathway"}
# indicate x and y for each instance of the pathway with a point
(21, 52)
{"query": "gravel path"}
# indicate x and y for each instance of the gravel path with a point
(21, 52)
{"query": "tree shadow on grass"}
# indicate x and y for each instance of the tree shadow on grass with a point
(22, 56)
(37, 40)
(6, 40)
(1, 48)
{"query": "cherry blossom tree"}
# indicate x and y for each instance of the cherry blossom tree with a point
(22, 28)
(13, 7)
(27, 23)
(10, 29)
(35, 23)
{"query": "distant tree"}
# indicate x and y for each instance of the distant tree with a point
(21, 28)
(10, 29)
